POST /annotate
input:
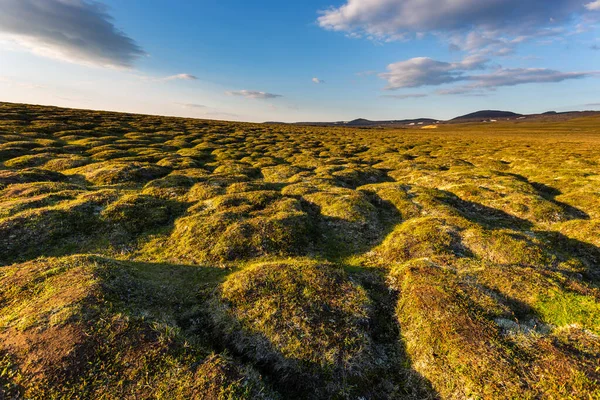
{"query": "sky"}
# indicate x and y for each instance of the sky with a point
(309, 60)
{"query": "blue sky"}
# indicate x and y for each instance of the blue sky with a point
(302, 61)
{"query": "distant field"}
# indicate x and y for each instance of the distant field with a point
(154, 257)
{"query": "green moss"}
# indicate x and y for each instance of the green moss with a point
(567, 308)
(66, 162)
(169, 187)
(9, 208)
(234, 168)
(29, 175)
(419, 238)
(178, 162)
(204, 191)
(110, 154)
(450, 342)
(346, 205)
(27, 190)
(303, 317)
(113, 172)
(279, 173)
(138, 213)
(396, 194)
(51, 230)
(66, 318)
(506, 247)
(239, 227)
(28, 161)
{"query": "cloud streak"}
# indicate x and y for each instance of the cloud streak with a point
(181, 77)
(253, 94)
(192, 105)
(405, 96)
(423, 71)
(317, 81)
(519, 76)
(80, 31)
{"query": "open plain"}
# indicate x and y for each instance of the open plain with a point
(157, 257)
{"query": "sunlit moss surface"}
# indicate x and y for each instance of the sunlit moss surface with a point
(154, 257)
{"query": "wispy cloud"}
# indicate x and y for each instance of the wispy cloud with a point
(593, 6)
(252, 94)
(317, 81)
(519, 76)
(405, 96)
(170, 78)
(192, 105)
(423, 71)
(466, 91)
(80, 31)
(181, 77)
(503, 77)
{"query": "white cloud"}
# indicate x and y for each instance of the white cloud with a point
(192, 105)
(463, 91)
(423, 71)
(520, 76)
(593, 6)
(467, 24)
(182, 77)
(252, 94)
(405, 96)
(80, 31)
(317, 81)
(178, 77)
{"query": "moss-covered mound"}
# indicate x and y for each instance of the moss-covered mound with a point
(136, 213)
(304, 319)
(29, 175)
(48, 231)
(240, 226)
(170, 187)
(420, 238)
(114, 172)
(492, 345)
(62, 321)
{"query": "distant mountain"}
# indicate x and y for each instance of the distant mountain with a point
(478, 116)
(487, 114)
(361, 122)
